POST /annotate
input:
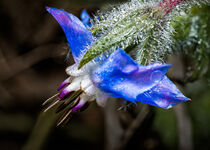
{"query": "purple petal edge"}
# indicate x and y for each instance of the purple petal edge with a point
(64, 93)
(63, 84)
(79, 106)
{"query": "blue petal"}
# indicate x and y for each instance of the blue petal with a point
(164, 95)
(120, 76)
(76, 33)
(86, 18)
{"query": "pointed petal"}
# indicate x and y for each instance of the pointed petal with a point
(164, 95)
(64, 83)
(84, 101)
(65, 93)
(76, 33)
(74, 86)
(79, 105)
(120, 76)
(85, 18)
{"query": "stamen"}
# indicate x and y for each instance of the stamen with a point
(68, 119)
(75, 103)
(52, 105)
(69, 101)
(63, 118)
(62, 106)
(49, 99)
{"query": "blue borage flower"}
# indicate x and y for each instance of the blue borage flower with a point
(116, 76)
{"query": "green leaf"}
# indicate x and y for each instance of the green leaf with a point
(128, 31)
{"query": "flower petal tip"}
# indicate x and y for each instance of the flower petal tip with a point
(52, 10)
(80, 104)
(63, 84)
(48, 8)
(64, 94)
(162, 67)
(184, 99)
(76, 33)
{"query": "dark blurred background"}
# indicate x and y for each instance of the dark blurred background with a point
(33, 49)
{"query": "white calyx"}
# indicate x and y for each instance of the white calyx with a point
(81, 80)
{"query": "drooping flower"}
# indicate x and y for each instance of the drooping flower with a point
(117, 75)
